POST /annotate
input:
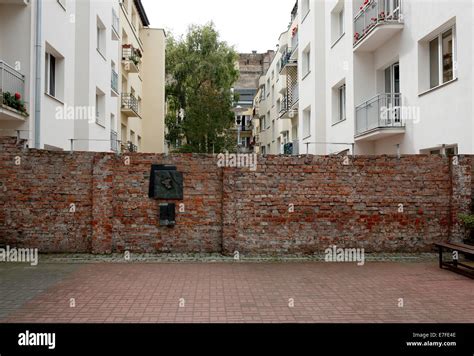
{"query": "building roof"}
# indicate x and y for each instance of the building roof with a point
(142, 13)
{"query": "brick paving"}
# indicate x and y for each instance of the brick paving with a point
(238, 292)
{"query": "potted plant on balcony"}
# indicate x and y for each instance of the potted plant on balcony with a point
(294, 31)
(13, 101)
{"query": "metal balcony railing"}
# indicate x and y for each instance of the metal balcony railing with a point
(114, 81)
(129, 102)
(286, 59)
(130, 53)
(284, 104)
(114, 144)
(294, 42)
(295, 94)
(11, 81)
(382, 111)
(375, 13)
(128, 147)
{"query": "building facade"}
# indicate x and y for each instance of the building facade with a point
(251, 66)
(373, 77)
(60, 71)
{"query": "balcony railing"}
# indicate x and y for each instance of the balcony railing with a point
(114, 146)
(286, 60)
(129, 53)
(294, 42)
(295, 94)
(382, 111)
(129, 102)
(373, 14)
(12, 83)
(114, 81)
(128, 147)
(284, 104)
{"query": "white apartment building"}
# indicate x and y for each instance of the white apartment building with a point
(407, 69)
(383, 77)
(65, 59)
(276, 105)
(59, 55)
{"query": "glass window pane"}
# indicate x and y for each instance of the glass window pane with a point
(434, 63)
(448, 56)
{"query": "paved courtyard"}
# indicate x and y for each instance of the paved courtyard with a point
(234, 292)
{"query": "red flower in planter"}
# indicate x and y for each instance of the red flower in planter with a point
(17, 96)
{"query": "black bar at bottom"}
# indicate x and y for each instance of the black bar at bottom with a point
(350, 339)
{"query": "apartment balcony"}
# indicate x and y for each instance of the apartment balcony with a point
(128, 147)
(376, 23)
(114, 143)
(379, 117)
(115, 26)
(130, 105)
(12, 91)
(295, 97)
(287, 61)
(284, 107)
(294, 44)
(131, 58)
(114, 84)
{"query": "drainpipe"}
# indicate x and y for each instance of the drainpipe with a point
(39, 56)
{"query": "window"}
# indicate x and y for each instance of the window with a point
(273, 130)
(139, 143)
(268, 87)
(101, 38)
(304, 8)
(306, 61)
(307, 123)
(342, 103)
(50, 74)
(437, 57)
(341, 22)
(337, 22)
(262, 149)
(267, 120)
(53, 73)
(273, 95)
(112, 122)
(339, 103)
(100, 107)
(442, 58)
(261, 123)
(62, 3)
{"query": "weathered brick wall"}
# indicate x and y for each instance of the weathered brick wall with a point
(380, 203)
(288, 205)
(36, 193)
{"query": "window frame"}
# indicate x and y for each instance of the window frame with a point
(439, 38)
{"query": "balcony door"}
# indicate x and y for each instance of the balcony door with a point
(392, 94)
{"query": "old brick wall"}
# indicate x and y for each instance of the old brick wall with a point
(288, 205)
(380, 203)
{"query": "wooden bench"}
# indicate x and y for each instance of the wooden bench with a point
(455, 265)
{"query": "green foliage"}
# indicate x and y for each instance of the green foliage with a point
(201, 72)
(14, 101)
(467, 220)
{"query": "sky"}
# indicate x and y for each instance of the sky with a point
(246, 24)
